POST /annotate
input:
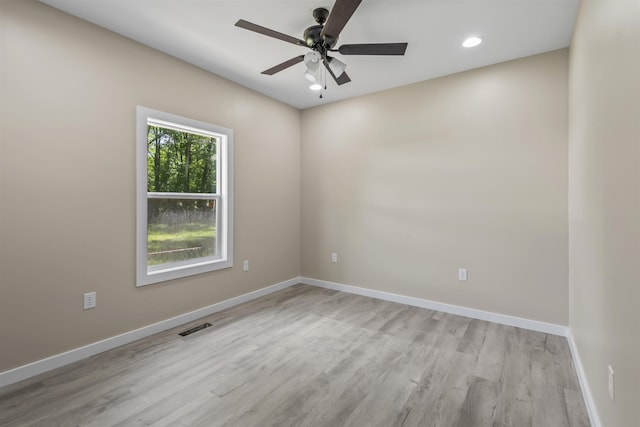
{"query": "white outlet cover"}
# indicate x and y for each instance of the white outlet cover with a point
(89, 300)
(612, 376)
(462, 274)
(245, 265)
(334, 257)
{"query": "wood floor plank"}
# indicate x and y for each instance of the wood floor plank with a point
(427, 397)
(448, 406)
(307, 356)
(308, 399)
(549, 406)
(514, 407)
(474, 336)
(480, 403)
(387, 400)
(382, 312)
(576, 408)
(353, 379)
(490, 363)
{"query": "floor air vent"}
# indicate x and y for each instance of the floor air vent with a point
(195, 329)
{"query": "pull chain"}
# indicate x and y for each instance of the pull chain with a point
(324, 79)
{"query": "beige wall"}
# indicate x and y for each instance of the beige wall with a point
(604, 202)
(68, 94)
(469, 170)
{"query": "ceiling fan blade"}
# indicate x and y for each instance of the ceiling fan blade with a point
(286, 64)
(373, 49)
(339, 16)
(268, 32)
(341, 79)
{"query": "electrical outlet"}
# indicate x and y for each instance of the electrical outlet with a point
(462, 274)
(334, 257)
(89, 300)
(245, 265)
(612, 377)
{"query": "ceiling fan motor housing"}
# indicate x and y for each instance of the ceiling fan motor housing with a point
(313, 35)
(314, 40)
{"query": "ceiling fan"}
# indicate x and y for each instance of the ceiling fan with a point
(322, 39)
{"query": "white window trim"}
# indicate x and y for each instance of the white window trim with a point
(223, 197)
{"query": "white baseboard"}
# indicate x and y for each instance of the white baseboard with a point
(584, 385)
(38, 367)
(519, 322)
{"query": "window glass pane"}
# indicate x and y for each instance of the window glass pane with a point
(180, 229)
(180, 161)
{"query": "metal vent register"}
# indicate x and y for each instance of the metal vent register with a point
(195, 329)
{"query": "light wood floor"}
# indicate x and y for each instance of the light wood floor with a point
(307, 356)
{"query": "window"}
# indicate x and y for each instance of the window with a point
(184, 197)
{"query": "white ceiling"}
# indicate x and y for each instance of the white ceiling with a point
(202, 32)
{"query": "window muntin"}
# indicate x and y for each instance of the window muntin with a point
(184, 197)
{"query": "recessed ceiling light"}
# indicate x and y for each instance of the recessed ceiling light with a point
(472, 42)
(315, 86)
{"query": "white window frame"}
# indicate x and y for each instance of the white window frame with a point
(224, 198)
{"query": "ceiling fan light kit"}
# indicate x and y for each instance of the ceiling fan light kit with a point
(337, 66)
(312, 61)
(321, 39)
(313, 73)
